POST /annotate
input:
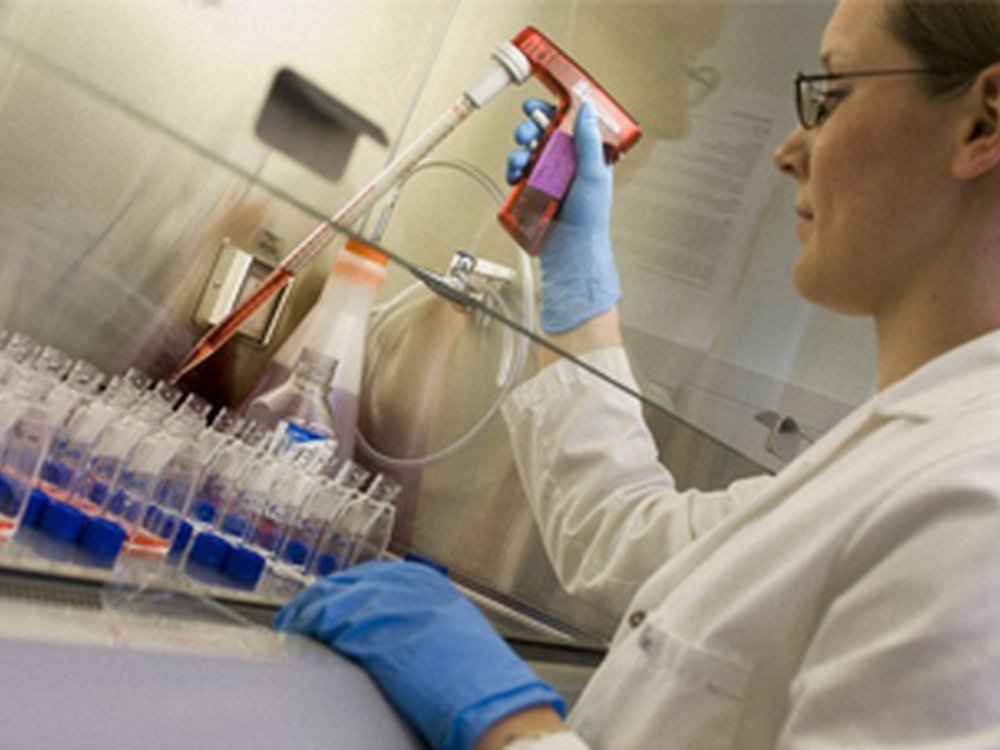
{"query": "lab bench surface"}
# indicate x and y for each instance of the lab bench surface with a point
(96, 657)
(92, 677)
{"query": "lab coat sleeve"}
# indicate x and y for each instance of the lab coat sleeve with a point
(608, 510)
(906, 651)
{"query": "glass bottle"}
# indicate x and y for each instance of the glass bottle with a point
(334, 328)
(300, 400)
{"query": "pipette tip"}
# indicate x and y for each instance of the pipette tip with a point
(194, 358)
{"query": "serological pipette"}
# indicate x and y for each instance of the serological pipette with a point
(510, 66)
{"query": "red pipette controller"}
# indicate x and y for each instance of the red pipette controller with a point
(531, 206)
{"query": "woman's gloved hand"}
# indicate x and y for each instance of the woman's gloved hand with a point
(579, 279)
(427, 647)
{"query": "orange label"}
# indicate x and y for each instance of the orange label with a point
(350, 269)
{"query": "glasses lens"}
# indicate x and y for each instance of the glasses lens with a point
(811, 98)
(803, 101)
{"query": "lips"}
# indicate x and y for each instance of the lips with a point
(804, 221)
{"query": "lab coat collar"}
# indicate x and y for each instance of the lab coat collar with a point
(959, 379)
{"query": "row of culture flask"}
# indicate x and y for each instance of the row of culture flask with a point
(124, 471)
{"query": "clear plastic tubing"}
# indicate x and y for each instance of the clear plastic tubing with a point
(511, 66)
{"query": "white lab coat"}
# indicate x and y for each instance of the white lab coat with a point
(851, 601)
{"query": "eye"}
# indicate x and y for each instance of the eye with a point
(825, 102)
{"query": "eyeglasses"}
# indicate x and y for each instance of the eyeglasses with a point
(814, 101)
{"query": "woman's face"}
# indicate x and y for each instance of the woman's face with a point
(873, 197)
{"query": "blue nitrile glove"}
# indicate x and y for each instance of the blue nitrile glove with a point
(579, 279)
(427, 647)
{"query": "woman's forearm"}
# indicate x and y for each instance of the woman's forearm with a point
(599, 332)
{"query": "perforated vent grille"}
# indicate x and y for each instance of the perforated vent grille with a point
(49, 591)
(64, 592)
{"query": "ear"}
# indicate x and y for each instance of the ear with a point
(979, 148)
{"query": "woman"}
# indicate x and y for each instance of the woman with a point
(853, 600)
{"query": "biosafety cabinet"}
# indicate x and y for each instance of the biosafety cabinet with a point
(159, 157)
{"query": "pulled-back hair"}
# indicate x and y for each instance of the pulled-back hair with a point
(948, 35)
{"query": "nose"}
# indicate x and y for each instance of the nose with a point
(792, 156)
